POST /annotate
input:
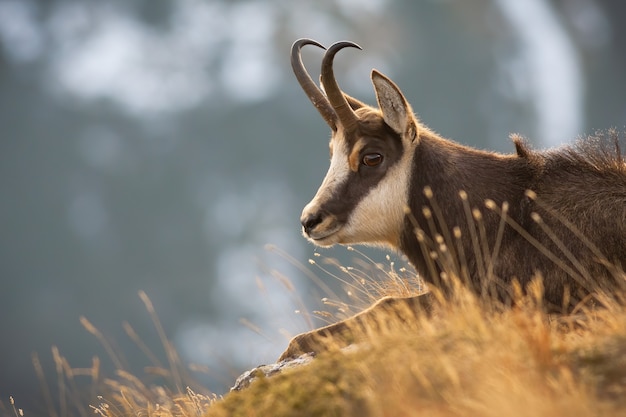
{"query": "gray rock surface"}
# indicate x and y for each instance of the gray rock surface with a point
(268, 370)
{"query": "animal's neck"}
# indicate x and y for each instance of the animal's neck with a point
(448, 168)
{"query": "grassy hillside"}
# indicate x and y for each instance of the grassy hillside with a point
(470, 359)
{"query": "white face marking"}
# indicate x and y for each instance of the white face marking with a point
(337, 173)
(377, 219)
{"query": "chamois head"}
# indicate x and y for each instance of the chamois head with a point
(362, 197)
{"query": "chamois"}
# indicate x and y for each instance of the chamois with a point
(559, 214)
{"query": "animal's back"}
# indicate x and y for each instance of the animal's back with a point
(580, 198)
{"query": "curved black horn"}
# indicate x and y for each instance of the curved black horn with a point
(316, 96)
(345, 114)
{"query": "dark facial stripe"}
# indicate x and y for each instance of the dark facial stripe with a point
(357, 185)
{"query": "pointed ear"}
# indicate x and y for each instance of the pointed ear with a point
(397, 112)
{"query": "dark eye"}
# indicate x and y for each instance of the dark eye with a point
(372, 159)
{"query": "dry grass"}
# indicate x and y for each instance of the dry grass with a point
(166, 388)
(471, 358)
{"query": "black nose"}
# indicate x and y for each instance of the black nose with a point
(309, 222)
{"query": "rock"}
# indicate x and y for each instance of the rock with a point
(268, 370)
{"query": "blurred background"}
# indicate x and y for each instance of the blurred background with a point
(162, 146)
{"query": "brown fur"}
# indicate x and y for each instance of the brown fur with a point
(487, 218)
(579, 194)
